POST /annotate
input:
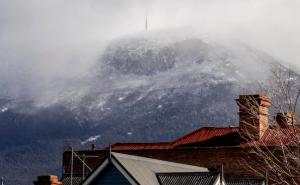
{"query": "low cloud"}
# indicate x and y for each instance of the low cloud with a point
(46, 42)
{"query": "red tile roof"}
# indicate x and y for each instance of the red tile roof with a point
(200, 135)
(272, 137)
(204, 134)
(277, 136)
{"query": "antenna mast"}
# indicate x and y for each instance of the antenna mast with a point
(146, 23)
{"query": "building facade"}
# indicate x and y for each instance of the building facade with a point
(230, 148)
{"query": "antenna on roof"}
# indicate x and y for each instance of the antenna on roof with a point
(146, 19)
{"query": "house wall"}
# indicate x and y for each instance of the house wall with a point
(232, 159)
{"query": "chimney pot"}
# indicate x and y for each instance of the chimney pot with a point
(47, 180)
(93, 147)
(285, 119)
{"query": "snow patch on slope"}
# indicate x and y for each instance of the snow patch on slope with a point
(91, 139)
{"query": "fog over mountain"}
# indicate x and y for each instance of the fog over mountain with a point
(146, 87)
(148, 62)
(85, 72)
(41, 40)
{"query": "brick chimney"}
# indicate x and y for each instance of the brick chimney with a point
(253, 115)
(47, 180)
(285, 119)
(93, 147)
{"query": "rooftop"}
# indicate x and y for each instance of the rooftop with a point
(142, 170)
(216, 137)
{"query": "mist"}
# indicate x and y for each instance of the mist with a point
(44, 43)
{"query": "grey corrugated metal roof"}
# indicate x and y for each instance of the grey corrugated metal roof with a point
(141, 170)
(76, 180)
(245, 182)
(196, 178)
(144, 169)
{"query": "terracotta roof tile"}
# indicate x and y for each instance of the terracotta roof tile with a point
(272, 137)
(277, 136)
(204, 134)
(200, 135)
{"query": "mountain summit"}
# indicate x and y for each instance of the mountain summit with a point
(141, 88)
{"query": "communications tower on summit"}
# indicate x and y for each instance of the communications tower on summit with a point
(146, 23)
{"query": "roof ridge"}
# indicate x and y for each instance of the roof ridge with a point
(133, 143)
(176, 142)
(192, 173)
(174, 164)
(199, 129)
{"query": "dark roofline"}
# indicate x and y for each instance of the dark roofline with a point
(262, 180)
(141, 143)
(246, 178)
(177, 148)
(192, 173)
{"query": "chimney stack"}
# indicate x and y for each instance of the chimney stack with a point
(93, 147)
(285, 119)
(253, 115)
(47, 180)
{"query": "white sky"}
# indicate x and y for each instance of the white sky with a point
(59, 38)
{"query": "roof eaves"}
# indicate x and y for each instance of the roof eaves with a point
(161, 162)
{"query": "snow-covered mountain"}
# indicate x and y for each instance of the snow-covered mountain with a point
(142, 88)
